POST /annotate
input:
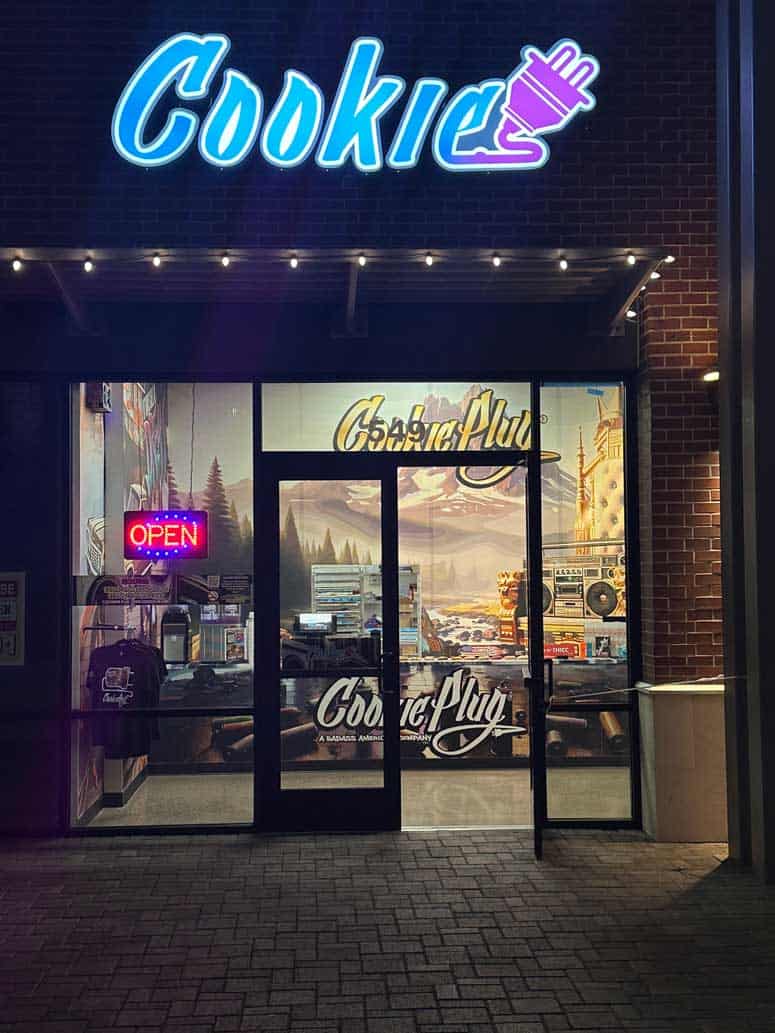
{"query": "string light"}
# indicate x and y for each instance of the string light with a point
(496, 260)
(429, 259)
(293, 262)
(225, 261)
(655, 275)
(631, 313)
(156, 260)
(631, 259)
(361, 260)
(710, 376)
(670, 259)
(563, 263)
(17, 264)
(88, 265)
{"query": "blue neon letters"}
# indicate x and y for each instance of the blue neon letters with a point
(497, 124)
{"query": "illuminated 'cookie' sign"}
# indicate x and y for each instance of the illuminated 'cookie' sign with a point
(496, 124)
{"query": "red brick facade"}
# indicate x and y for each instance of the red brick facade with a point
(679, 465)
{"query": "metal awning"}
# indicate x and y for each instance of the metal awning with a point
(602, 279)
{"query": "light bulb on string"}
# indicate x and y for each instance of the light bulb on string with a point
(361, 260)
(429, 259)
(293, 262)
(88, 265)
(156, 260)
(496, 260)
(563, 264)
(17, 264)
(225, 261)
(631, 259)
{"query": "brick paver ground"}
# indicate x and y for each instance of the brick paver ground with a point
(404, 933)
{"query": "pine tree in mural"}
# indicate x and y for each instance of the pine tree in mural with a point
(246, 545)
(328, 552)
(223, 543)
(236, 533)
(355, 553)
(173, 494)
(347, 556)
(367, 558)
(294, 574)
(452, 575)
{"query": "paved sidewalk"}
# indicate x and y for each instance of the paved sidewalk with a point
(395, 933)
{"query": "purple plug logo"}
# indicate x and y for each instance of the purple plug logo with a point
(545, 92)
(542, 95)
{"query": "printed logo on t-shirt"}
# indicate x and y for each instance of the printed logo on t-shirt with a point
(116, 685)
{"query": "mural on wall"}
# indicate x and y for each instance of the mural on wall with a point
(463, 530)
(172, 444)
(210, 467)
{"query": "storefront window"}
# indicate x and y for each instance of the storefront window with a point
(464, 645)
(395, 417)
(584, 602)
(163, 601)
(583, 519)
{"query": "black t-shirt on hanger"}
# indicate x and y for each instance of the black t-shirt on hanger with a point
(123, 677)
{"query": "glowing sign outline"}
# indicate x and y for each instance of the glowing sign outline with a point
(541, 96)
(137, 518)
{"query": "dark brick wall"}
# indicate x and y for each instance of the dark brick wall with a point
(639, 170)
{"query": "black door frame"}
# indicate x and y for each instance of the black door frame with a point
(331, 810)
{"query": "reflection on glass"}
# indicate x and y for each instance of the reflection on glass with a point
(331, 722)
(158, 447)
(172, 656)
(134, 771)
(588, 764)
(583, 519)
(463, 618)
(462, 551)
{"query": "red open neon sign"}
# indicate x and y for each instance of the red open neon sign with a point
(165, 534)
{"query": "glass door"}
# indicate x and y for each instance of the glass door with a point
(329, 703)
(464, 643)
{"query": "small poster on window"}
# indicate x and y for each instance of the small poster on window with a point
(12, 618)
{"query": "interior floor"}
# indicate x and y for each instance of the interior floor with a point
(445, 798)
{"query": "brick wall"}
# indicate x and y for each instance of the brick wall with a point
(639, 170)
(678, 435)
